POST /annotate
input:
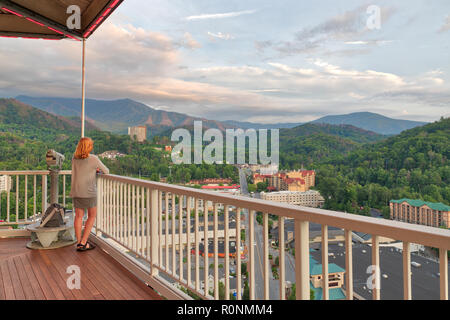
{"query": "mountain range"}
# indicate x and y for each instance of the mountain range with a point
(371, 122)
(117, 115)
(18, 116)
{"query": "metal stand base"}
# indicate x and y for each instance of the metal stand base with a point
(54, 245)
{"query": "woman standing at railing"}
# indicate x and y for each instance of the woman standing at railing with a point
(84, 190)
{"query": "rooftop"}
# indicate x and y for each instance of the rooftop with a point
(419, 203)
(315, 268)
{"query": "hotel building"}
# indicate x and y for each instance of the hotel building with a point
(420, 212)
(310, 198)
(139, 133)
(296, 180)
(5, 183)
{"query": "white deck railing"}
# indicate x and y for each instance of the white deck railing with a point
(137, 214)
(142, 216)
(25, 187)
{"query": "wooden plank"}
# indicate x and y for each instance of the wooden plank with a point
(60, 281)
(122, 277)
(7, 284)
(2, 290)
(36, 261)
(132, 285)
(43, 284)
(42, 275)
(38, 292)
(25, 282)
(87, 283)
(101, 277)
(61, 267)
(17, 286)
(97, 287)
(102, 283)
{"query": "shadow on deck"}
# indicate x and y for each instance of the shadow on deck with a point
(42, 275)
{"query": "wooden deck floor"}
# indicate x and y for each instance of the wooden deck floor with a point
(41, 275)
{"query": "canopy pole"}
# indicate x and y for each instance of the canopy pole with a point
(83, 89)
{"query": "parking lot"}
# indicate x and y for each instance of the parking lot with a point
(424, 279)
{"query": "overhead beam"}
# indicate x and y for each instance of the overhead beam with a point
(41, 19)
(95, 15)
(30, 35)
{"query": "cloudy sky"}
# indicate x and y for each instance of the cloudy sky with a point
(254, 60)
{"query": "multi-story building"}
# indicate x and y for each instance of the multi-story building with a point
(335, 280)
(296, 180)
(5, 183)
(310, 198)
(420, 212)
(139, 133)
(111, 154)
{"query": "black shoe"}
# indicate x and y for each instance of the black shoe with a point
(87, 246)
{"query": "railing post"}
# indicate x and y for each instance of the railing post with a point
(17, 198)
(26, 199)
(281, 259)
(443, 273)
(376, 266)
(266, 295)
(302, 260)
(227, 252)
(325, 291)
(216, 254)
(98, 221)
(349, 264)
(406, 271)
(8, 197)
(44, 193)
(238, 255)
(251, 260)
(154, 232)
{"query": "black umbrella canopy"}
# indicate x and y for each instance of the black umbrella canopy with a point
(48, 19)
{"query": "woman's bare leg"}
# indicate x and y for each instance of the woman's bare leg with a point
(78, 223)
(92, 214)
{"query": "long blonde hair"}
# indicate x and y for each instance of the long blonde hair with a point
(84, 147)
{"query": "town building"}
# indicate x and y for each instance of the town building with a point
(420, 212)
(5, 183)
(263, 169)
(212, 181)
(295, 180)
(111, 154)
(231, 188)
(335, 280)
(310, 198)
(139, 133)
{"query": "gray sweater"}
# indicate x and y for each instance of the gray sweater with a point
(84, 184)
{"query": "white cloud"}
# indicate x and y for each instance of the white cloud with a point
(220, 35)
(220, 15)
(369, 42)
(129, 62)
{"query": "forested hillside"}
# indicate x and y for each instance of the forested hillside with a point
(371, 121)
(313, 143)
(26, 133)
(414, 164)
